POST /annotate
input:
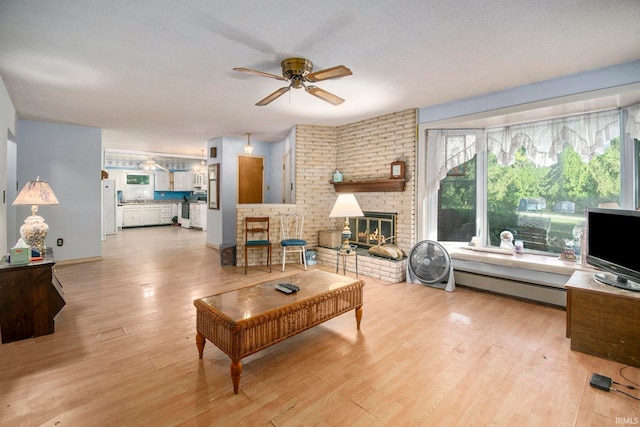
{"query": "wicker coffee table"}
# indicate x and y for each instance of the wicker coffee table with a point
(246, 320)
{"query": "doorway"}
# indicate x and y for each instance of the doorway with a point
(250, 179)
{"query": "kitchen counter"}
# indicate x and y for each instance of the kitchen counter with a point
(149, 202)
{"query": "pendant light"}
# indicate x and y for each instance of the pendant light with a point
(248, 149)
(201, 168)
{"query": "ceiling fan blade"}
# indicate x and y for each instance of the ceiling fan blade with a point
(273, 96)
(324, 95)
(329, 73)
(259, 73)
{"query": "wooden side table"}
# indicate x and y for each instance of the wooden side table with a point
(344, 254)
(603, 320)
(30, 298)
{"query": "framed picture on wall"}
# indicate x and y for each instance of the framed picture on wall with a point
(214, 186)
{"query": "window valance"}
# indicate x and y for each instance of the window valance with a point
(588, 134)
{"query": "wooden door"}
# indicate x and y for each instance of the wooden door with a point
(250, 179)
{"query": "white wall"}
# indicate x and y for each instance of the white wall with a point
(589, 84)
(7, 128)
(215, 216)
(69, 158)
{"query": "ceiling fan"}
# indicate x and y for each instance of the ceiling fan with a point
(152, 165)
(298, 71)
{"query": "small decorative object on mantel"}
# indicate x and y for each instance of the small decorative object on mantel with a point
(337, 176)
(397, 170)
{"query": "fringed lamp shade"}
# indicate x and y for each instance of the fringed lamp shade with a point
(34, 230)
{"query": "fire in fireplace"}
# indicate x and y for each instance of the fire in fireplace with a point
(372, 228)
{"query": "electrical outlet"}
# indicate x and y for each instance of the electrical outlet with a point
(60, 242)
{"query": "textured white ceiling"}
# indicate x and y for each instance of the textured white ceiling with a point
(156, 75)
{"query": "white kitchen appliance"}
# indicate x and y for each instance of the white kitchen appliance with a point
(109, 204)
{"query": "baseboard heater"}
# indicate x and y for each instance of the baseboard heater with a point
(539, 286)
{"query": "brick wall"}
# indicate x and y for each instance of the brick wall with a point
(361, 150)
(365, 150)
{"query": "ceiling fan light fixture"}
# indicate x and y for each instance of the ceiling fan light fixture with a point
(151, 165)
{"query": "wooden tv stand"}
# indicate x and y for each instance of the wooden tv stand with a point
(603, 320)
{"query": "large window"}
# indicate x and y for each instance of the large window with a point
(533, 179)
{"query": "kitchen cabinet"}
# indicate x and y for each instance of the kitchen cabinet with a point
(162, 181)
(132, 216)
(183, 181)
(166, 213)
(119, 176)
(139, 214)
(198, 215)
(200, 181)
(151, 215)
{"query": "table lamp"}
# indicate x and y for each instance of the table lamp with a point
(34, 230)
(347, 206)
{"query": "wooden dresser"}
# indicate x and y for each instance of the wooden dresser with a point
(30, 298)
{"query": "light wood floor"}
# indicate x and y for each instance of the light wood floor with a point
(124, 354)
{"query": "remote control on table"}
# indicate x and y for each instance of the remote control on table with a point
(291, 286)
(283, 289)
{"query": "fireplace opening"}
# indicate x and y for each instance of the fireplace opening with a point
(372, 228)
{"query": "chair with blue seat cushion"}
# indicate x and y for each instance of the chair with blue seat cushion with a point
(256, 236)
(291, 226)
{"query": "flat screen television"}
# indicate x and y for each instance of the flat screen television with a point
(611, 236)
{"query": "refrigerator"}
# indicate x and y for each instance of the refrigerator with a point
(109, 204)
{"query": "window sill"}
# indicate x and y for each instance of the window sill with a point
(540, 263)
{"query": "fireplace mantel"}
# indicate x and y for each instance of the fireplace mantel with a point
(370, 185)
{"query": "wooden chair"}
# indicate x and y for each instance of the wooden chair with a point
(291, 230)
(256, 236)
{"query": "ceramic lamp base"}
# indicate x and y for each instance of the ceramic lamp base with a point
(34, 232)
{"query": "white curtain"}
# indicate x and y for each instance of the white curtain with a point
(447, 149)
(633, 121)
(589, 135)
